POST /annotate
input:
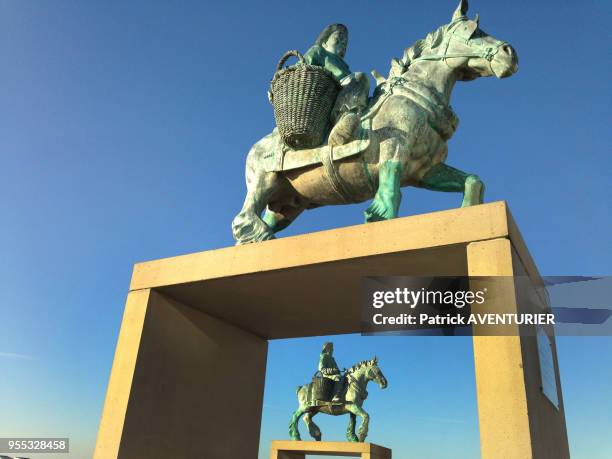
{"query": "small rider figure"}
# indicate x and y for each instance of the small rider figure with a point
(329, 369)
(328, 51)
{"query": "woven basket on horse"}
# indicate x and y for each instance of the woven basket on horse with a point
(303, 97)
(321, 388)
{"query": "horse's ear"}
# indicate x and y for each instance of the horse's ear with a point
(461, 10)
(397, 68)
(375, 359)
(378, 77)
(477, 19)
(470, 27)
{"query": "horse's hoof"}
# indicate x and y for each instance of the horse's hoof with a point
(384, 206)
(377, 212)
(474, 191)
(372, 213)
(255, 232)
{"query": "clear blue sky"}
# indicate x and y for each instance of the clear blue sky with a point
(123, 132)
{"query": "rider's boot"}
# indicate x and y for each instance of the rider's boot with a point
(345, 130)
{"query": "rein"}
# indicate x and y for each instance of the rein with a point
(487, 54)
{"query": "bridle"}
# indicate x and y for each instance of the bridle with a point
(485, 52)
(377, 374)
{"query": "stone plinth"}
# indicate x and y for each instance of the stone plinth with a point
(299, 449)
(192, 348)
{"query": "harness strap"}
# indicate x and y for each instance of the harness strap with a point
(442, 118)
(336, 182)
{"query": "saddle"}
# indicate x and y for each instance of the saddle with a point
(281, 158)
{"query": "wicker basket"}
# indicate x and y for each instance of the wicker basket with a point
(303, 97)
(321, 388)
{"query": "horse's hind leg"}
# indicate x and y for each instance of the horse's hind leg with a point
(442, 177)
(294, 432)
(313, 429)
(350, 430)
(248, 226)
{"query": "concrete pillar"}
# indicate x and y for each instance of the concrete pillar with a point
(515, 417)
(183, 384)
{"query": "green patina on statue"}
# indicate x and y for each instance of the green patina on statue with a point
(328, 52)
(336, 393)
(397, 137)
(329, 370)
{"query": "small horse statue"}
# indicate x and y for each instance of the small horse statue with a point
(403, 140)
(357, 378)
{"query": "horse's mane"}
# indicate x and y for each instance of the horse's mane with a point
(358, 365)
(431, 41)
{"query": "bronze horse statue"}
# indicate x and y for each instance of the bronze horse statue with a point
(357, 378)
(404, 138)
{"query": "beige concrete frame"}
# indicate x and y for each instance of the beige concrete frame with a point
(195, 325)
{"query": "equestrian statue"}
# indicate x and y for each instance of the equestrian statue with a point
(335, 393)
(374, 145)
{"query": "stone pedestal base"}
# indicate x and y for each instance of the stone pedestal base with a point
(299, 449)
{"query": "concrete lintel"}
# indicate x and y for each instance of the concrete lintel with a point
(426, 231)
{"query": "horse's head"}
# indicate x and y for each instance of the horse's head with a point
(464, 47)
(484, 54)
(374, 373)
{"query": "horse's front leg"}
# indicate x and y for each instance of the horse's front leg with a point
(313, 429)
(442, 177)
(362, 433)
(350, 430)
(386, 202)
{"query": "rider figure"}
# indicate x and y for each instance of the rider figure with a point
(329, 369)
(328, 52)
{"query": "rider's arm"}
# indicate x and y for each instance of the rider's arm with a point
(336, 65)
(322, 366)
(314, 57)
(327, 365)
